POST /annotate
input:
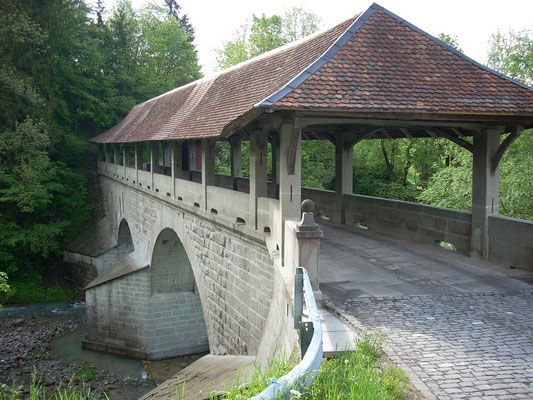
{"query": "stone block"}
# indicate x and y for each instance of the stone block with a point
(459, 227)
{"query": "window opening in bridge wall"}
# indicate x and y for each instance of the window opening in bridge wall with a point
(111, 153)
(124, 240)
(318, 163)
(144, 149)
(165, 162)
(185, 160)
(171, 270)
(101, 152)
(120, 154)
(131, 155)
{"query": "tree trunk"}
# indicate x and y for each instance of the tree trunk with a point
(390, 167)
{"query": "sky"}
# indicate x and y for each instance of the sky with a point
(471, 21)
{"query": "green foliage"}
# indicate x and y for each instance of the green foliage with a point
(516, 178)
(29, 288)
(450, 41)
(360, 374)
(260, 380)
(512, 55)
(87, 373)
(63, 79)
(39, 392)
(266, 33)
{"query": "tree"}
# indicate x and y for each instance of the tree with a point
(298, 23)
(512, 55)
(65, 77)
(450, 41)
(266, 33)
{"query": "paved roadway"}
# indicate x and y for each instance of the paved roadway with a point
(461, 327)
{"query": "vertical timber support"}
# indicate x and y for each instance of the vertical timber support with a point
(138, 161)
(258, 171)
(125, 157)
(235, 159)
(107, 150)
(208, 169)
(154, 161)
(485, 188)
(175, 156)
(275, 161)
(343, 175)
(290, 175)
(115, 155)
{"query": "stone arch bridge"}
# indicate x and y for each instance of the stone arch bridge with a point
(188, 260)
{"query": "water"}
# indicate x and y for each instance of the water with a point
(135, 381)
(68, 347)
(57, 309)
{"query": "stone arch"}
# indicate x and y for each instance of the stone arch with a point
(171, 270)
(124, 240)
(177, 314)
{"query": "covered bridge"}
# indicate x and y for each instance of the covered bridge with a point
(371, 76)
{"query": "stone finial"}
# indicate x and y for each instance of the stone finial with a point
(308, 206)
(307, 223)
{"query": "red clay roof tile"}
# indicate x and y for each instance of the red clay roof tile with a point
(374, 61)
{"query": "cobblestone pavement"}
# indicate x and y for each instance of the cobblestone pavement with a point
(458, 341)
(462, 346)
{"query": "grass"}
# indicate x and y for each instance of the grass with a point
(38, 392)
(87, 374)
(29, 288)
(361, 374)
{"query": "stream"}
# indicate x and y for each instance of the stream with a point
(46, 337)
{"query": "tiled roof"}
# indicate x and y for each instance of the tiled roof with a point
(203, 108)
(389, 65)
(372, 62)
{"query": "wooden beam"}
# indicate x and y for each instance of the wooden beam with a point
(293, 145)
(458, 132)
(431, 133)
(457, 140)
(391, 123)
(330, 138)
(406, 133)
(356, 140)
(386, 134)
(500, 151)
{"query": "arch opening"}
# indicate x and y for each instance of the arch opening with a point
(171, 270)
(124, 240)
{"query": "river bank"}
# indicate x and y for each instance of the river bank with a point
(26, 350)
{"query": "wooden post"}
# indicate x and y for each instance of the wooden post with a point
(290, 176)
(343, 175)
(485, 188)
(258, 171)
(208, 169)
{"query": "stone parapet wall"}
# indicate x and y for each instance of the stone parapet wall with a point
(511, 241)
(398, 218)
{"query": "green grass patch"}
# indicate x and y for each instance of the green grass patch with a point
(361, 374)
(29, 288)
(87, 374)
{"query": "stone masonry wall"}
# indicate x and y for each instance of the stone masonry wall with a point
(237, 276)
(233, 275)
(403, 219)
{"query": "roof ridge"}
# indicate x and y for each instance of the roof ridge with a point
(347, 35)
(323, 59)
(215, 75)
(447, 46)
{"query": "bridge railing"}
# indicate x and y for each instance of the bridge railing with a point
(303, 374)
